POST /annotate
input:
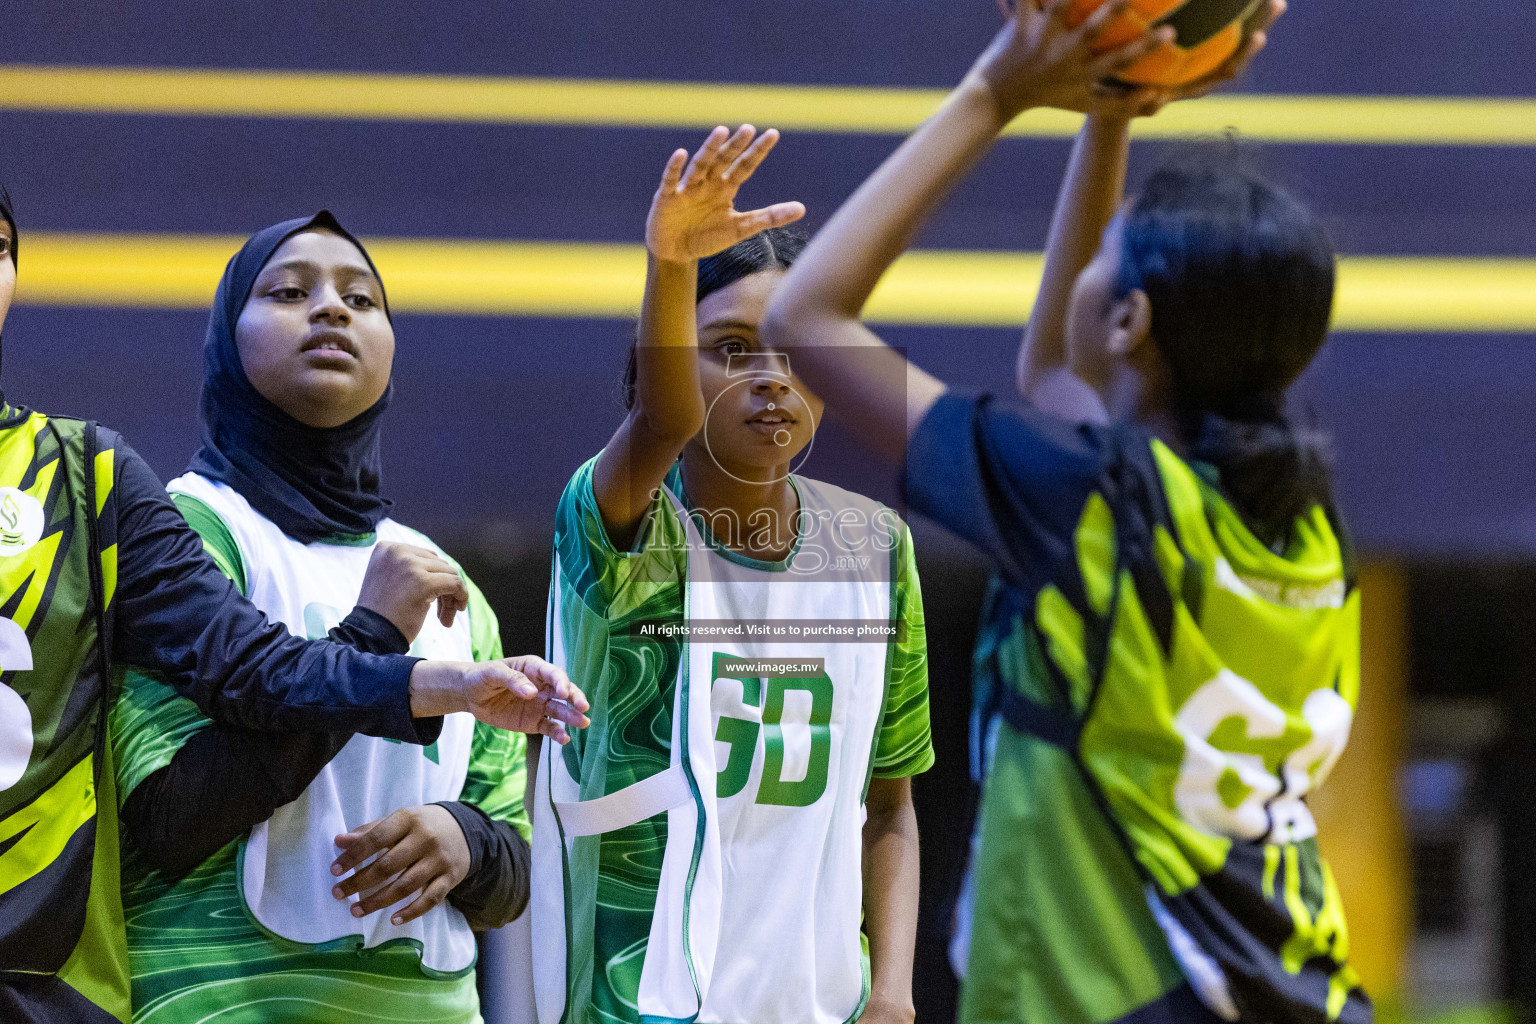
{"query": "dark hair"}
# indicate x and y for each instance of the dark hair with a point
(774, 249)
(1240, 278)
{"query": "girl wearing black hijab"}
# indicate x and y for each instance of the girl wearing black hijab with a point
(285, 492)
(120, 579)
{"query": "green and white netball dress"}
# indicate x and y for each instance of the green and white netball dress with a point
(699, 846)
(254, 934)
(1174, 690)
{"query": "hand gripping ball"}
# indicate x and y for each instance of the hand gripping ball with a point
(1208, 32)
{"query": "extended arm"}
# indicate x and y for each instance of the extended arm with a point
(1090, 194)
(176, 614)
(1035, 60)
(226, 779)
(179, 616)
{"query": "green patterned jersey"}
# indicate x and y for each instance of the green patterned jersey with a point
(1175, 689)
(194, 950)
(612, 613)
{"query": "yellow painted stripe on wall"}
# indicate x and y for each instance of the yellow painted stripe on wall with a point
(580, 279)
(1384, 120)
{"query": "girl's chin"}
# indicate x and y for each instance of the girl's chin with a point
(765, 465)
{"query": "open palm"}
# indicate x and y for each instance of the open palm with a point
(694, 212)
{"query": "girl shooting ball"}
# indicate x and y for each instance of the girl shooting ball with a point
(1186, 657)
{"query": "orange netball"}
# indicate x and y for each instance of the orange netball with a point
(1208, 32)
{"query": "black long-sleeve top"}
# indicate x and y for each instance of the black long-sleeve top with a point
(177, 615)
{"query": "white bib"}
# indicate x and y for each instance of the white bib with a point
(759, 906)
(285, 874)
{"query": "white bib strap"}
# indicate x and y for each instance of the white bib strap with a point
(645, 799)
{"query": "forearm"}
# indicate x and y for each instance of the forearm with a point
(890, 900)
(1090, 195)
(815, 313)
(667, 392)
(179, 616)
(668, 406)
(838, 272)
(225, 780)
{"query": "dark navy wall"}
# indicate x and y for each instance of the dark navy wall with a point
(1434, 433)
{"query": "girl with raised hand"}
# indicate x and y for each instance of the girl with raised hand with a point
(1185, 660)
(316, 877)
(706, 841)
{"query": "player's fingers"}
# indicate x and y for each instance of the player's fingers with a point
(1123, 57)
(1056, 13)
(732, 150)
(560, 711)
(389, 864)
(435, 892)
(366, 840)
(1233, 67)
(1099, 19)
(748, 161)
(407, 551)
(673, 172)
(552, 677)
(524, 688)
(452, 601)
(413, 879)
(773, 216)
(698, 167)
(440, 579)
(554, 730)
(1267, 15)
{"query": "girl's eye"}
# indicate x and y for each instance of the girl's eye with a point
(289, 293)
(360, 301)
(733, 347)
(5, 246)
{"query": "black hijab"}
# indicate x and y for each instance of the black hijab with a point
(315, 483)
(10, 218)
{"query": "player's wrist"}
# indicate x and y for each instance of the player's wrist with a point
(439, 688)
(978, 94)
(669, 258)
(888, 1008)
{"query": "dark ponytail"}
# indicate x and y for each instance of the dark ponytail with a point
(774, 249)
(1240, 278)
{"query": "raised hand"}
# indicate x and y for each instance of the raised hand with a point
(693, 214)
(1036, 60)
(403, 580)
